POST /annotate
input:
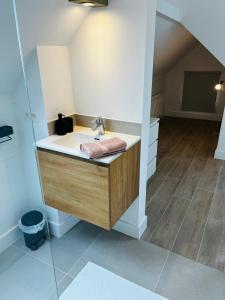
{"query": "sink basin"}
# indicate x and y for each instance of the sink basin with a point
(70, 143)
(74, 140)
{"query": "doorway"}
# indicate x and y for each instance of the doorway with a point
(185, 196)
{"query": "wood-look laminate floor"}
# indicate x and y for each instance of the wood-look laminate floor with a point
(186, 196)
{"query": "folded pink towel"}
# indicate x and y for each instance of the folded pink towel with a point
(103, 148)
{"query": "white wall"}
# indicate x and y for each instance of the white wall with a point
(107, 58)
(56, 82)
(199, 59)
(112, 78)
(13, 197)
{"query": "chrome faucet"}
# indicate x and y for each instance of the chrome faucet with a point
(98, 123)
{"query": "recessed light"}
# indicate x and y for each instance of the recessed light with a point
(88, 4)
(91, 3)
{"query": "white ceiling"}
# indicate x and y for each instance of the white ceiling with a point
(56, 22)
(172, 42)
(51, 22)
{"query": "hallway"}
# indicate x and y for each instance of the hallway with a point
(186, 196)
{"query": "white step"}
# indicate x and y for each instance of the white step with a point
(96, 283)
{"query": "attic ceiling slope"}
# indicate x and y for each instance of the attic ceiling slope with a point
(172, 42)
(205, 20)
(49, 22)
(53, 22)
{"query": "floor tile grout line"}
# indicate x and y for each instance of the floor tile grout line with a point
(206, 223)
(171, 150)
(83, 254)
(192, 158)
(217, 220)
(185, 215)
(188, 208)
(203, 171)
(66, 274)
(54, 267)
(163, 268)
(160, 219)
(20, 248)
(169, 202)
(174, 195)
(157, 191)
(164, 158)
(40, 260)
(46, 263)
(183, 220)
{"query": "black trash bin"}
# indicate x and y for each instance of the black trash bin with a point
(32, 225)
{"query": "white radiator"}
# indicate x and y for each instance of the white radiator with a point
(157, 106)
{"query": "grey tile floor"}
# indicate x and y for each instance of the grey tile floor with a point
(30, 275)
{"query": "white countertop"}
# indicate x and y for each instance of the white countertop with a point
(70, 143)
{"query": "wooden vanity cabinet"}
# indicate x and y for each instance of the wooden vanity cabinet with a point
(91, 191)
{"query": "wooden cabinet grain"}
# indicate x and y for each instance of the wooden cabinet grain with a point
(97, 193)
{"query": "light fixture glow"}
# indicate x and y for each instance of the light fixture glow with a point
(220, 86)
(91, 3)
(88, 4)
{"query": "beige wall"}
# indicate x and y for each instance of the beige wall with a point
(158, 84)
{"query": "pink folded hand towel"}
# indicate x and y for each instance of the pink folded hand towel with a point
(103, 148)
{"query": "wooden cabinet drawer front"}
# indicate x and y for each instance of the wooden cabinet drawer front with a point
(76, 187)
(124, 182)
(152, 151)
(154, 132)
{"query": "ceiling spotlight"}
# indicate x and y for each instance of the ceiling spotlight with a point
(220, 86)
(91, 3)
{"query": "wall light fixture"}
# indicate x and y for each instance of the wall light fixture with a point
(220, 86)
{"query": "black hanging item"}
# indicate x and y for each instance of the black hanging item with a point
(5, 132)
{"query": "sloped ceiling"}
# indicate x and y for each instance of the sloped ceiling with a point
(172, 42)
(49, 22)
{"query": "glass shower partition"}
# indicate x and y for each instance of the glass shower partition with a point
(24, 274)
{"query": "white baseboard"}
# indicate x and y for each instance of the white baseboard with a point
(219, 154)
(59, 229)
(10, 237)
(194, 115)
(131, 229)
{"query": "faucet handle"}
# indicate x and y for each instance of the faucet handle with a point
(94, 124)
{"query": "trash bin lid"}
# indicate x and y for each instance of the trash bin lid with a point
(32, 218)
